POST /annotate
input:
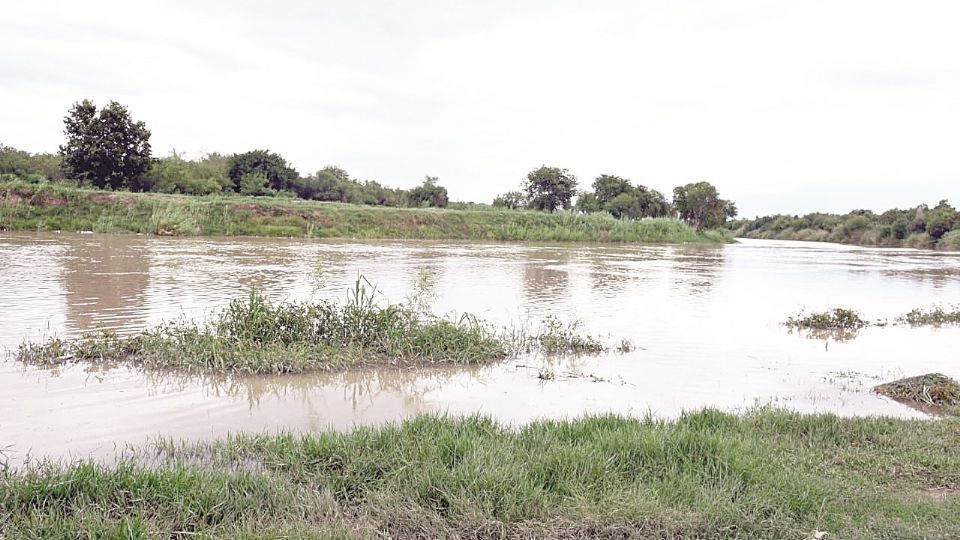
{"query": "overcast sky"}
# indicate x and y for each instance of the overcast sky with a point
(785, 106)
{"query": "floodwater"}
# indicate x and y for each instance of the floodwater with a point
(705, 323)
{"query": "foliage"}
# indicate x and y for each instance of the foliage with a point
(511, 200)
(256, 184)
(835, 319)
(428, 194)
(706, 474)
(279, 175)
(920, 227)
(27, 166)
(48, 206)
(550, 188)
(174, 174)
(105, 149)
(622, 199)
(700, 205)
(931, 317)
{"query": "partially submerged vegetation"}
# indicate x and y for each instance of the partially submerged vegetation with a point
(257, 336)
(766, 474)
(60, 207)
(931, 317)
(847, 322)
(932, 389)
(834, 319)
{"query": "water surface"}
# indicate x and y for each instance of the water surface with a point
(704, 322)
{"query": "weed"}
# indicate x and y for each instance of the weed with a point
(835, 319)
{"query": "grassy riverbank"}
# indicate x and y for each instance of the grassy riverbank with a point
(767, 474)
(51, 206)
(257, 336)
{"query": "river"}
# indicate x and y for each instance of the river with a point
(704, 322)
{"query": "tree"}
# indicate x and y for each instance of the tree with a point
(256, 184)
(549, 188)
(607, 187)
(280, 176)
(700, 205)
(511, 200)
(622, 199)
(941, 219)
(428, 194)
(106, 149)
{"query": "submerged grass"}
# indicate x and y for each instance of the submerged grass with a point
(931, 317)
(766, 474)
(57, 207)
(834, 319)
(257, 336)
(844, 323)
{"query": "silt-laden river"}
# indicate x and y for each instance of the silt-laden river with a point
(705, 323)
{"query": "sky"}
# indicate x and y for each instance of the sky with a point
(787, 107)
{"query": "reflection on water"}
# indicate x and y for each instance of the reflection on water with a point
(706, 322)
(105, 282)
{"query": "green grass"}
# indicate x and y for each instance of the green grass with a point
(766, 474)
(50, 206)
(257, 336)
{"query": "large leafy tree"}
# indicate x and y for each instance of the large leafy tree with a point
(550, 188)
(105, 148)
(622, 199)
(430, 193)
(700, 205)
(280, 176)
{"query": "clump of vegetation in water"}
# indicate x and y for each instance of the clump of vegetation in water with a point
(766, 474)
(555, 337)
(931, 317)
(257, 336)
(835, 319)
(930, 389)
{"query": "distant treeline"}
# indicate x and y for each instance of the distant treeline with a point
(919, 227)
(107, 149)
(259, 172)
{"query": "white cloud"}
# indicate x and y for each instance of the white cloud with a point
(786, 106)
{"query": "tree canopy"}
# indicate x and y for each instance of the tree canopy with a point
(550, 188)
(280, 176)
(622, 199)
(700, 205)
(106, 149)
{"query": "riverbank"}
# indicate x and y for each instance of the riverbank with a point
(53, 207)
(766, 474)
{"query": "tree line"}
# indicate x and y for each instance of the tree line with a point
(920, 227)
(552, 188)
(106, 148)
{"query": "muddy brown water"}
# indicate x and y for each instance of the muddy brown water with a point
(704, 321)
